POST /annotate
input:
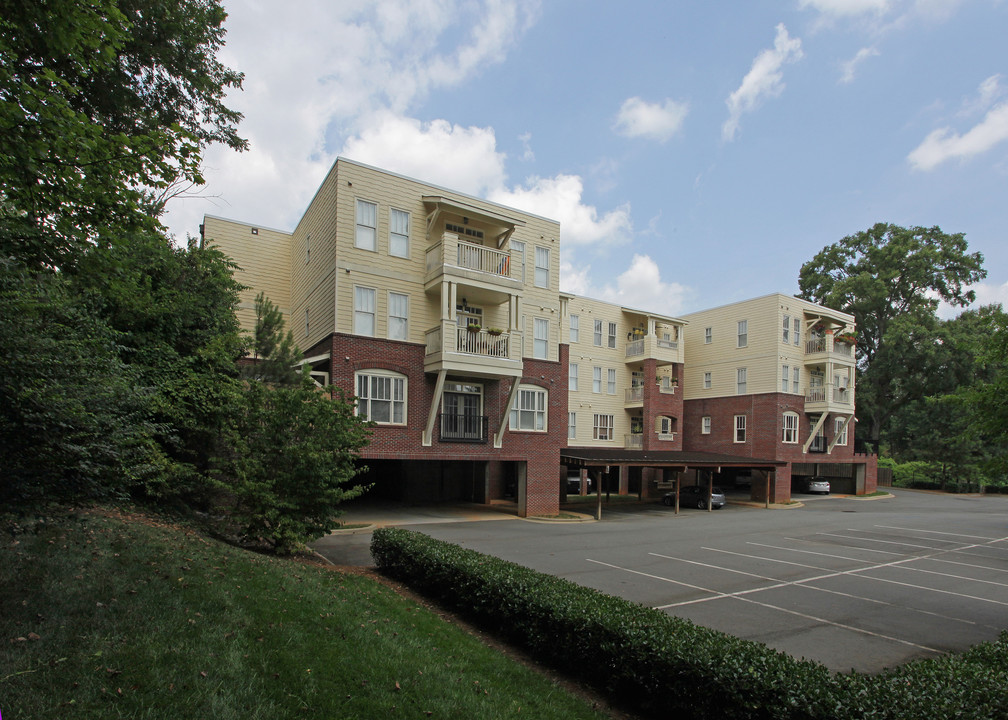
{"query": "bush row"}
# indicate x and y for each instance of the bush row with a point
(663, 666)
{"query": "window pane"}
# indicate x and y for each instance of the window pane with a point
(398, 233)
(574, 328)
(367, 224)
(542, 262)
(364, 309)
(572, 380)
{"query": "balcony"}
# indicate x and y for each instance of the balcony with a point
(827, 398)
(468, 352)
(633, 396)
(633, 441)
(464, 428)
(649, 347)
(470, 264)
(823, 349)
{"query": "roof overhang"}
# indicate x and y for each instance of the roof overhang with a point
(505, 224)
(581, 457)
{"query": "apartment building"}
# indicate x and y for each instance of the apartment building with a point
(774, 378)
(440, 313)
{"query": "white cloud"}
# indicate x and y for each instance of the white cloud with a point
(575, 279)
(986, 294)
(559, 198)
(655, 121)
(846, 8)
(764, 79)
(849, 67)
(407, 146)
(641, 287)
(528, 155)
(945, 144)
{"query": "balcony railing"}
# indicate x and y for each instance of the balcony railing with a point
(823, 344)
(839, 395)
(470, 256)
(464, 428)
(634, 394)
(482, 343)
(818, 445)
(634, 441)
(635, 348)
(668, 385)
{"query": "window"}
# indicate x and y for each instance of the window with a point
(790, 428)
(542, 267)
(529, 409)
(571, 426)
(797, 331)
(740, 381)
(518, 250)
(572, 377)
(398, 242)
(708, 335)
(462, 417)
(540, 338)
(795, 375)
(785, 377)
(611, 384)
(364, 311)
(786, 329)
(740, 428)
(381, 396)
(707, 381)
(705, 425)
(603, 427)
(664, 425)
(575, 331)
(612, 335)
(597, 335)
(840, 431)
(743, 333)
(398, 316)
(367, 225)
(596, 379)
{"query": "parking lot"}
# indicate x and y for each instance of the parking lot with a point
(852, 583)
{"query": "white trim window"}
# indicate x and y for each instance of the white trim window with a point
(705, 425)
(572, 378)
(740, 381)
(790, 425)
(707, 382)
(596, 379)
(518, 249)
(786, 329)
(542, 267)
(785, 377)
(381, 396)
(540, 338)
(665, 425)
(597, 335)
(740, 427)
(398, 316)
(399, 224)
(602, 429)
(528, 413)
(364, 311)
(795, 379)
(575, 330)
(840, 431)
(796, 335)
(367, 225)
(708, 335)
(571, 426)
(612, 334)
(611, 381)
(743, 333)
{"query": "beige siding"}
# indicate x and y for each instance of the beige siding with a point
(263, 258)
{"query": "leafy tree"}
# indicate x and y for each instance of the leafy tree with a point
(74, 423)
(891, 279)
(296, 456)
(174, 311)
(104, 107)
(989, 397)
(274, 354)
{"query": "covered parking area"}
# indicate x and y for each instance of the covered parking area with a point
(650, 474)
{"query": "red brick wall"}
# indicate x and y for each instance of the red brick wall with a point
(657, 403)
(541, 450)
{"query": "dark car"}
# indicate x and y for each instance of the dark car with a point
(696, 496)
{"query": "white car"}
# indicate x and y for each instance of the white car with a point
(817, 485)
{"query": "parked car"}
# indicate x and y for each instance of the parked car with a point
(574, 484)
(816, 485)
(696, 496)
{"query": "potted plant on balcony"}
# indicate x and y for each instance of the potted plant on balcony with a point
(495, 331)
(847, 337)
(474, 328)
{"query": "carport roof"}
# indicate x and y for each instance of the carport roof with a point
(662, 458)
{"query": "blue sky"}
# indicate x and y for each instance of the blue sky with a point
(695, 153)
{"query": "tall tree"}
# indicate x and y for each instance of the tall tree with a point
(891, 279)
(104, 105)
(274, 353)
(990, 398)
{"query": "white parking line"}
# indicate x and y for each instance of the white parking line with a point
(860, 549)
(739, 596)
(972, 565)
(874, 540)
(936, 532)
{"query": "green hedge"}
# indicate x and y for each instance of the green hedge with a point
(665, 666)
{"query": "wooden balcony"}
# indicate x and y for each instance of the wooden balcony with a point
(649, 347)
(477, 353)
(826, 398)
(470, 264)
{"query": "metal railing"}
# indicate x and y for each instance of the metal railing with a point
(464, 428)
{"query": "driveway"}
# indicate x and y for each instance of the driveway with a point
(849, 582)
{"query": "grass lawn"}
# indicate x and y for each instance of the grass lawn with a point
(105, 616)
